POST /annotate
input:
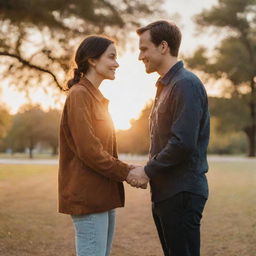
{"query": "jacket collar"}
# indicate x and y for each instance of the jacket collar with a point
(170, 74)
(96, 93)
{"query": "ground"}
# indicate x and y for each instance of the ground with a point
(30, 224)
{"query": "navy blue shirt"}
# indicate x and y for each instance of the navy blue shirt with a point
(179, 129)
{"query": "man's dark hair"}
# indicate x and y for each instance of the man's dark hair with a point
(164, 31)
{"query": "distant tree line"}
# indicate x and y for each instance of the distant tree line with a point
(28, 128)
(227, 136)
(32, 126)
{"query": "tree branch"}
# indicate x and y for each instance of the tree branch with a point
(27, 63)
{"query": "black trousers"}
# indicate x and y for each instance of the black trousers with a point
(177, 220)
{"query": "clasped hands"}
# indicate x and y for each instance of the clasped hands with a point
(137, 177)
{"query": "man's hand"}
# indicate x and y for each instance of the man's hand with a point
(137, 177)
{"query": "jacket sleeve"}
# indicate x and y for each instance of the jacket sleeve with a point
(187, 112)
(87, 146)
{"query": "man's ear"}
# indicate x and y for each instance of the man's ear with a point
(164, 47)
(92, 62)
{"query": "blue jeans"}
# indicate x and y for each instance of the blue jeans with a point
(94, 233)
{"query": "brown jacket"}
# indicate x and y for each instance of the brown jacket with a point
(90, 175)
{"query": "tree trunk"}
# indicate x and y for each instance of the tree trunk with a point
(251, 135)
(31, 152)
(54, 150)
(252, 128)
(31, 147)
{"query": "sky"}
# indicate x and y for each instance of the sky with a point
(132, 88)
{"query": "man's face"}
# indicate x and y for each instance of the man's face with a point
(149, 53)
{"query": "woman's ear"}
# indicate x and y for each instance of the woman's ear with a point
(92, 62)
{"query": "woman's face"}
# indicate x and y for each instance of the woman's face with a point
(106, 65)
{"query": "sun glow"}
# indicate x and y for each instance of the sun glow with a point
(128, 93)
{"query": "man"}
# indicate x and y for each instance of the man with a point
(179, 128)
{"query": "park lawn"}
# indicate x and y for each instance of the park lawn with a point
(30, 224)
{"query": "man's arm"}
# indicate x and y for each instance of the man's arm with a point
(188, 109)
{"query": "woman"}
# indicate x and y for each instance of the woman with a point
(90, 175)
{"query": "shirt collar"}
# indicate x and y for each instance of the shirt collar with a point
(170, 74)
(95, 91)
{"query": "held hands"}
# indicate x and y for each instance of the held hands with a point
(137, 177)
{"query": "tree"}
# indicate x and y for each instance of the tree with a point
(5, 121)
(37, 37)
(50, 129)
(26, 130)
(235, 57)
(136, 139)
(228, 117)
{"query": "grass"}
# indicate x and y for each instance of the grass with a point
(30, 224)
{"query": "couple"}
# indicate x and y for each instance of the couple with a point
(90, 173)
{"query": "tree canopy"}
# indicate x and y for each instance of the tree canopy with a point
(5, 121)
(38, 37)
(235, 57)
(32, 126)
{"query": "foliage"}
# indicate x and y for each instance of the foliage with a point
(50, 129)
(25, 132)
(232, 113)
(225, 141)
(234, 58)
(227, 118)
(37, 38)
(5, 121)
(32, 126)
(136, 139)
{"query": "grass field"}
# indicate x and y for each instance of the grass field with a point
(30, 224)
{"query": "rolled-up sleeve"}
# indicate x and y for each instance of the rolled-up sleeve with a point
(187, 108)
(87, 145)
